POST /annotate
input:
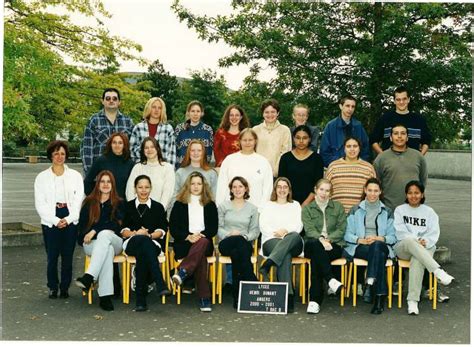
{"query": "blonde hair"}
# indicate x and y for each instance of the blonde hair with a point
(185, 191)
(149, 104)
(321, 181)
(251, 132)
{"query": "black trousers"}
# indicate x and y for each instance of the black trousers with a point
(321, 268)
(146, 253)
(240, 251)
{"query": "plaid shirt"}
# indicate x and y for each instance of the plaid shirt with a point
(97, 132)
(164, 135)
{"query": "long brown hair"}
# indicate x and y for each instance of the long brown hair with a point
(289, 197)
(185, 192)
(187, 157)
(93, 200)
(126, 145)
(225, 122)
(143, 158)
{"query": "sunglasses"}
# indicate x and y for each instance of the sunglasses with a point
(113, 98)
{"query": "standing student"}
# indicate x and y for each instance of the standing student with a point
(100, 223)
(193, 224)
(144, 228)
(58, 196)
(280, 224)
(160, 173)
(302, 166)
(417, 231)
(193, 128)
(154, 125)
(226, 139)
(344, 125)
(101, 126)
(300, 117)
(324, 222)
(274, 138)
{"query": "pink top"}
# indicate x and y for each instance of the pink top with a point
(224, 144)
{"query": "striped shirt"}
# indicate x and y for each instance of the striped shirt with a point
(348, 180)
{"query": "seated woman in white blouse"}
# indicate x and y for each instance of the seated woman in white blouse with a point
(280, 224)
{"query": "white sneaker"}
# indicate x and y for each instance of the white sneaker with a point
(413, 307)
(360, 291)
(313, 307)
(442, 297)
(334, 285)
(444, 278)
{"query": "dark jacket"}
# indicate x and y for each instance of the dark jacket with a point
(179, 227)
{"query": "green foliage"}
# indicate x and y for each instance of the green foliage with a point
(321, 51)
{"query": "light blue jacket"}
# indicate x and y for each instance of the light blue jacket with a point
(355, 227)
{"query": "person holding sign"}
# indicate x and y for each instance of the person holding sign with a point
(280, 224)
(238, 226)
(324, 222)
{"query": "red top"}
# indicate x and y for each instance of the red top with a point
(152, 129)
(224, 144)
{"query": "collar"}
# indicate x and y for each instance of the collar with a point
(273, 127)
(363, 205)
(148, 203)
(397, 152)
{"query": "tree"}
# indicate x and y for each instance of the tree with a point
(159, 83)
(43, 95)
(321, 51)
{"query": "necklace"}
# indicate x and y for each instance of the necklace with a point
(141, 213)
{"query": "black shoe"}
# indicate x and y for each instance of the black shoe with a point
(291, 304)
(64, 294)
(118, 294)
(235, 304)
(165, 291)
(105, 302)
(378, 304)
(368, 295)
(85, 282)
(227, 288)
(141, 308)
(266, 268)
(53, 294)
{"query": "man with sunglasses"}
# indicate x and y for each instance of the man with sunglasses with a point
(101, 125)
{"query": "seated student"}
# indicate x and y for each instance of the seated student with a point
(324, 222)
(280, 224)
(144, 228)
(100, 222)
(238, 227)
(417, 231)
(370, 236)
(193, 224)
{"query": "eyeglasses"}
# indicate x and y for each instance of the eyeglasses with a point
(113, 98)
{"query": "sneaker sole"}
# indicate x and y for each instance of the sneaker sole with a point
(176, 280)
(80, 284)
(206, 309)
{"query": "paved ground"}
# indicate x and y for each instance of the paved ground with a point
(29, 315)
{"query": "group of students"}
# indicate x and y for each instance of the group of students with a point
(260, 185)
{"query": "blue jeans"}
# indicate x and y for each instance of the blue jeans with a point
(59, 242)
(376, 255)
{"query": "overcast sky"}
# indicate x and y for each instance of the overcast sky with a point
(152, 24)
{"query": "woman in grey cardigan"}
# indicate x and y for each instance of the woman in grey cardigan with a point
(238, 226)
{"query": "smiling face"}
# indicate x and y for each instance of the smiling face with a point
(414, 196)
(323, 192)
(117, 145)
(155, 112)
(282, 190)
(270, 114)
(399, 138)
(195, 114)
(238, 189)
(302, 140)
(402, 100)
(150, 151)
(105, 184)
(196, 185)
(352, 150)
(58, 157)
(143, 189)
(196, 152)
(234, 117)
(248, 143)
(372, 192)
(300, 115)
(348, 108)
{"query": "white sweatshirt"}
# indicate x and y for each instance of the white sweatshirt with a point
(274, 216)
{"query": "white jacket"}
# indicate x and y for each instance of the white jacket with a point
(45, 196)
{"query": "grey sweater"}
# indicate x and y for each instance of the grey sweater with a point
(244, 220)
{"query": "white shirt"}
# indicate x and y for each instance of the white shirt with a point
(196, 215)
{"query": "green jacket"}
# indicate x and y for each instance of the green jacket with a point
(335, 221)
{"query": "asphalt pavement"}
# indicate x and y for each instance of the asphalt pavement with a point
(28, 314)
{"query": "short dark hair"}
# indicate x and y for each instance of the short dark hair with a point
(106, 90)
(141, 177)
(396, 126)
(356, 140)
(372, 180)
(400, 90)
(420, 186)
(345, 98)
(54, 146)
(244, 183)
(269, 102)
(304, 128)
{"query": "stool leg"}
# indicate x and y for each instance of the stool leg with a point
(343, 284)
(124, 291)
(219, 282)
(390, 281)
(400, 270)
(212, 270)
(435, 292)
(348, 279)
(354, 287)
